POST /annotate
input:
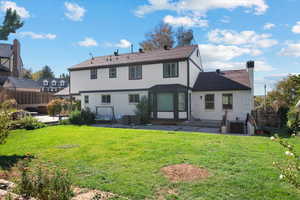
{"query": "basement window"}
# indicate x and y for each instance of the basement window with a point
(105, 99)
(134, 98)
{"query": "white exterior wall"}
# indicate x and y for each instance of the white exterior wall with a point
(194, 70)
(152, 74)
(119, 100)
(241, 105)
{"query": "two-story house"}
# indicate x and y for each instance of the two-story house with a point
(172, 80)
(53, 85)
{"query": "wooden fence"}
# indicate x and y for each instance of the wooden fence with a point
(26, 97)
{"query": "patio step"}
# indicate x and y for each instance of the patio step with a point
(204, 123)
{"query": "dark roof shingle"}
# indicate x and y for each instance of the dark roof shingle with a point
(225, 80)
(131, 58)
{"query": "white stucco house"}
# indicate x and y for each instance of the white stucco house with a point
(173, 80)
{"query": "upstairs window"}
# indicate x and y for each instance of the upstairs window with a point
(93, 73)
(170, 70)
(210, 101)
(134, 98)
(113, 72)
(53, 83)
(135, 72)
(62, 83)
(86, 99)
(227, 101)
(105, 99)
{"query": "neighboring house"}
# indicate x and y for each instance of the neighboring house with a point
(64, 93)
(53, 84)
(173, 81)
(21, 84)
(10, 59)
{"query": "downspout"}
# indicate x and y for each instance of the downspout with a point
(188, 98)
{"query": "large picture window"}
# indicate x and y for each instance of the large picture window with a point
(170, 70)
(210, 101)
(105, 99)
(165, 102)
(227, 101)
(135, 72)
(93, 73)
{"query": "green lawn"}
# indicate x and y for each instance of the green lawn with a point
(128, 162)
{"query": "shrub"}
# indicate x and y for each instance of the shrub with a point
(64, 122)
(28, 123)
(290, 167)
(142, 110)
(82, 117)
(44, 183)
(5, 120)
(54, 107)
(294, 121)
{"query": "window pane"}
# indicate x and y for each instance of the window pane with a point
(165, 102)
(181, 101)
(227, 101)
(209, 101)
(170, 70)
(86, 99)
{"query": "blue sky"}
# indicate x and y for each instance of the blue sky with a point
(230, 32)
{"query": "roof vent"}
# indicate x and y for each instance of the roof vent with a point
(116, 53)
(218, 71)
(141, 50)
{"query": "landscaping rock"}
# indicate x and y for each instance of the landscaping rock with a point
(86, 194)
(6, 185)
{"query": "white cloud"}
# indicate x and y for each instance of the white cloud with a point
(225, 20)
(292, 49)
(296, 28)
(74, 11)
(10, 4)
(88, 42)
(269, 26)
(185, 21)
(201, 6)
(37, 35)
(221, 57)
(247, 38)
(123, 44)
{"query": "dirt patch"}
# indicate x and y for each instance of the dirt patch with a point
(165, 193)
(184, 172)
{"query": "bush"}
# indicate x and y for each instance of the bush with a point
(64, 122)
(290, 167)
(55, 107)
(142, 110)
(294, 121)
(44, 183)
(82, 117)
(28, 123)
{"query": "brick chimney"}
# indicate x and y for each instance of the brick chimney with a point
(250, 69)
(17, 62)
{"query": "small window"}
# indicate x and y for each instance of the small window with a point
(45, 83)
(135, 72)
(113, 72)
(170, 70)
(105, 99)
(86, 99)
(210, 101)
(227, 101)
(93, 73)
(53, 83)
(181, 102)
(134, 98)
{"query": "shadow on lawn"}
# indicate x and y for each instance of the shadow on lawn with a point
(7, 162)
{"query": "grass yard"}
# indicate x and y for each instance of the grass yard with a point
(128, 162)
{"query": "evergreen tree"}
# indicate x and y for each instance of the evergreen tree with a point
(12, 22)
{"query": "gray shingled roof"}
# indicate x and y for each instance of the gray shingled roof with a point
(63, 92)
(23, 83)
(225, 80)
(132, 58)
